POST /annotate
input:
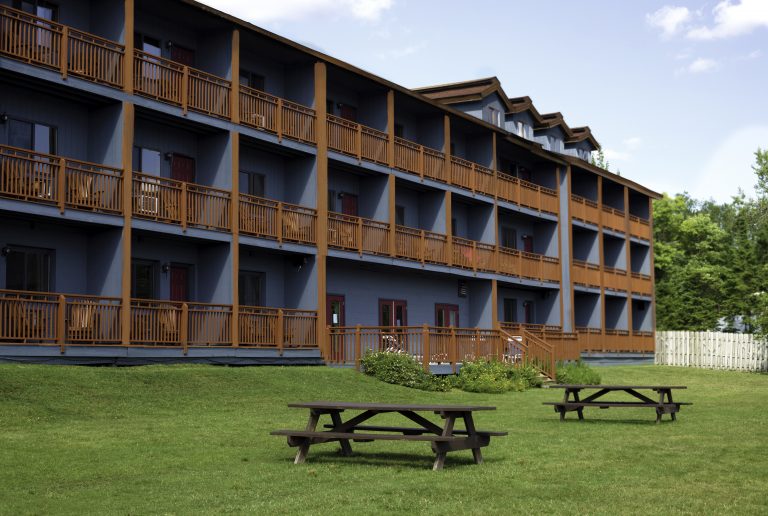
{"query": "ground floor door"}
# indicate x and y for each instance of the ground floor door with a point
(393, 312)
(179, 282)
(446, 315)
(335, 317)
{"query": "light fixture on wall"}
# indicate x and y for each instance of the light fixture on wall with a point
(168, 44)
(165, 267)
(168, 156)
(299, 262)
(341, 195)
(6, 251)
(3, 118)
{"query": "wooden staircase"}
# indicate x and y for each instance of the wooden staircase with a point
(533, 350)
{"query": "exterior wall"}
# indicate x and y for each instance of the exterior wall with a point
(371, 191)
(288, 179)
(640, 258)
(641, 315)
(585, 186)
(423, 209)
(582, 150)
(616, 312)
(551, 139)
(587, 309)
(615, 251)
(613, 195)
(474, 221)
(638, 205)
(526, 118)
(546, 304)
(586, 246)
(544, 233)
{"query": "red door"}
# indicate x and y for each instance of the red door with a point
(183, 55)
(182, 168)
(335, 310)
(349, 113)
(349, 204)
(528, 243)
(179, 283)
(528, 312)
(393, 312)
(446, 315)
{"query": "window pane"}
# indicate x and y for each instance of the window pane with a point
(400, 215)
(43, 139)
(249, 291)
(151, 46)
(150, 161)
(14, 271)
(20, 134)
(143, 281)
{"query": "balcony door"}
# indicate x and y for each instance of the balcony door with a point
(182, 168)
(349, 204)
(528, 243)
(393, 312)
(335, 315)
(32, 136)
(180, 276)
(446, 315)
(183, 55)
(29, 268)
(528, 312)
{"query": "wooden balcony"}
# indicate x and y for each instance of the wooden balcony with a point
(538, 197)
(63, 182)
(58, 319)
(605, 340)
(587, 274)
(528, 265)
(422, 161)
(474, 255)
(420, 245)
(278, 328)
(356, 140)
(613, 219)
(615, 279)
(177, 202)
(275, 220)
(65, 49)
(642, 284)
(358, 234)
(277, 116)
(640, 228)
(585, 210)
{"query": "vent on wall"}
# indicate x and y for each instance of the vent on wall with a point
(463, 289)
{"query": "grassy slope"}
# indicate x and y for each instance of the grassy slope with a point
(186, 439)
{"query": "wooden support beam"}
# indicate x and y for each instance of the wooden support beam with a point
(127, 151)
(391, 185)
(449, 227)
(234, 137)
(320, 74)
(234, 77)
(128, 31)
(391, 128)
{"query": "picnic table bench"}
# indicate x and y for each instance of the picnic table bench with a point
(443, 439)
(664, 404)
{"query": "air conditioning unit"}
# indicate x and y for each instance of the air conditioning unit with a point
(258, 120)
(147, 201)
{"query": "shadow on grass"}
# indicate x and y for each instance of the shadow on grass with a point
(398, 460)
(587, 421)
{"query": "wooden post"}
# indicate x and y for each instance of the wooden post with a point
(449, 227)
(474, 255)
(421, 162)
(391, 185)
(321, 203)
(61, 322)
(184, 207)
(184, 89)
(61, 193)
(391, 128)
(359, 234)
(63, 52)
(234, 77)
(279, 121)
(422, 247)
(280, 331)
(279, 223)
(234, 138)
(453, 353)
(128, 57)
(184, 327)
(358, 347)
(425, 347)
(359, 142)
(447, 147)
(127, 151)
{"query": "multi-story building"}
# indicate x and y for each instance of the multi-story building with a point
(175, 182)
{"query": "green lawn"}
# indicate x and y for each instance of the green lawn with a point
(195, 439)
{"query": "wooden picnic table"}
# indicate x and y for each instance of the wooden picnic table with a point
(664, 404)
(443, 439)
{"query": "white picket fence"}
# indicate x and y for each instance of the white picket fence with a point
(711, 350)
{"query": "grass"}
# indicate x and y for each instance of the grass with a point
(194, 439)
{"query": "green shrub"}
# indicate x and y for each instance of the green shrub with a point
(577, 373)
(496, 377)
(402, 369)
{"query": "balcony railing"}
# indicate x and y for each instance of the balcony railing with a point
(528, 265)
(587, 274)
(278, 328)
(358, 234)
(178, 202)
(67, 183)
(641, 284)
(419, 245)
(58, 319)
(277, 220)
(597, 339)
(277, 116)
(639, 227)
(613, 219)
(422, 161)
(356, 140)
(45, 43)
(615, 279)
(585, 210)
(477, 256)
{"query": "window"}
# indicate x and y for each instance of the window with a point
(252, 80)
(39, 8)
(331, 200)
(348, 112)
(252, 183)
(147, 161)
(399, 130)
(446, 315)
(510, 310)
(508, 237)
(148, 44)
(329, 106)
(143, 279)
(29, 268)
(454, 226)
(249, 291)
(494, 116)
(400, 215)
(453, 149)
(32, 136)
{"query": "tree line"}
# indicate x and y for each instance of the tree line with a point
(711, 260)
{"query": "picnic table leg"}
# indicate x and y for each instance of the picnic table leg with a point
(346, 449)
(450, 419)
(579, 410)
(301, 455)
(668, 394)
(470, 424)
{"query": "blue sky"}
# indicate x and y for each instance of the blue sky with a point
(676, 92)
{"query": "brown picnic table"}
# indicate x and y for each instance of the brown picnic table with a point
(572, 401)
(443, 438)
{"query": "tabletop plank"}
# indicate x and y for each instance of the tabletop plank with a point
(615, 387)
(395, 407)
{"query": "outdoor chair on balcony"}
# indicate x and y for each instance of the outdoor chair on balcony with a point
(169, 325)
(82, 192)
(82, 322)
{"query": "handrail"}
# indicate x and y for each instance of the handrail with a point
(359, 234)
(277, 220)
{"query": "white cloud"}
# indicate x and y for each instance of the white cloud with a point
(729, 167)
(733, 19)
(669, 19)
(397, 53)
(702, 65)
(633, 143)
(615, 155)
(273, 11)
